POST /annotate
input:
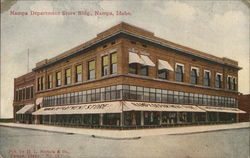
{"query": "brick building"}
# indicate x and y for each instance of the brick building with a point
(127, 77)
(244, 104)
(23, 104)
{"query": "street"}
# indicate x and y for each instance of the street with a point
(26, 143)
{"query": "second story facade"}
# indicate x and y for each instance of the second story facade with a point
(128, 63)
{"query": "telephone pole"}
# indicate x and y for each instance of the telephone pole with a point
(28, 61)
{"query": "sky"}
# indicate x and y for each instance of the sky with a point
(220, 28)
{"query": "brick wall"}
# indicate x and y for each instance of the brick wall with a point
(244, 104)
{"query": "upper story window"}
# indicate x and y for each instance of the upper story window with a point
(68, 76)
(163, 68)
(179, 72)
(144, 70)
(105, 65)
(194, 75)
(231, 83)
(234, 83)
(163, 74)
(23, 94)
(78, 73)
(229, 80)
(91, 70)
(42, 83)
(133, 68)
(38, 84)
(113, 63)
(58, 78)
(206, 78)
(31, 92)
(20, 91)
(50, 81)
(218, 80)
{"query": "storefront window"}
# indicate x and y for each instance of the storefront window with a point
(132, 118)
(111, 119)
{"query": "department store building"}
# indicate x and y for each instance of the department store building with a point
(126, 77)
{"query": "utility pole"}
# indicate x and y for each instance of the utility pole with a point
(28, 61)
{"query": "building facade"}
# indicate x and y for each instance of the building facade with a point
(23, 104)
(127, 77)
(244, 104)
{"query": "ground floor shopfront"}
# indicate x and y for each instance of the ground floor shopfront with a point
(126, 114)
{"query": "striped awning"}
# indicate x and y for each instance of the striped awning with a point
(27, 109)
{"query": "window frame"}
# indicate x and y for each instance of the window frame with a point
(179, 73)
(208, 79)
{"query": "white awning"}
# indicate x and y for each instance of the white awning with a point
(27, 109)
(164, 65)
(146, 106)
(221, 109)
(39, 101)
(95, 108)
(147, 61)
(135, 58)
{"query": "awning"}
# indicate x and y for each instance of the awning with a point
(39, 101)
(135, 58)
(95, 108)
(221, 109)
(147, 61)
(146, 106)
(164, 65)
(27, 109)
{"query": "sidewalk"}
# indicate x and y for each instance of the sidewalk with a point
(130, 134)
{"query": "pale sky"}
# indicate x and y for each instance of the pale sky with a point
(219, 28)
